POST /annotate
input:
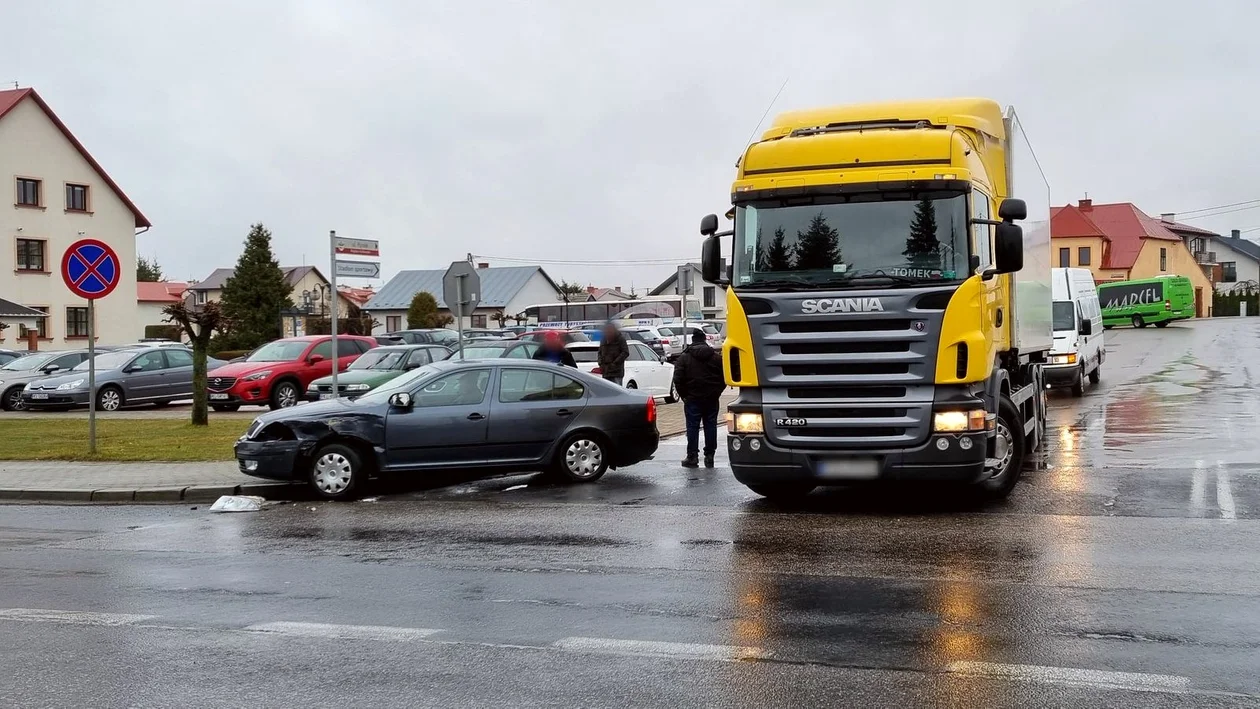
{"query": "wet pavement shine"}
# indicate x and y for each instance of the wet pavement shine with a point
(1123, 572)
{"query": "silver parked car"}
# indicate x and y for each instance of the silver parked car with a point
(142, 375)
(15, 375)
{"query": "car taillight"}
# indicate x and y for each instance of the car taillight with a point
(1167, 305)
(664, 340)
(651, 410)
(597, 370)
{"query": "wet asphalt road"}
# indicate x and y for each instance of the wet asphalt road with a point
(1123, 572)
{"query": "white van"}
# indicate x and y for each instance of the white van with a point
(1078, 351)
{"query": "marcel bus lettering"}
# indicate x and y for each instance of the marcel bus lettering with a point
(1121, 296)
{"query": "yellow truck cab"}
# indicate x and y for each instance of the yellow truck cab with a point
(889, 307)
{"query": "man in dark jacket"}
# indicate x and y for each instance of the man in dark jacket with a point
(699, 380)
(554, 351)
(613, 353)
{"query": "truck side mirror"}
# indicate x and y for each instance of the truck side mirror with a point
(1087, 328)
(1008, 252)
(711, 260)
(709, 225)
(1012, 210)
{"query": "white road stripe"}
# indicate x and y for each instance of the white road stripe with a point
(1198, 493)
(1135, 681)
(72, 617)
(344, 632)
(691, 651)
(1224, 493)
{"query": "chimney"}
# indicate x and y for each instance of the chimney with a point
(1168, 217)
(1086, 204)
(483, 264)
(1235, 234)
(618, 288)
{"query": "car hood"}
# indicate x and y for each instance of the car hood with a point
(241, 369)
(374, 377)
(330, 408)
(58, 379)
(11, 376)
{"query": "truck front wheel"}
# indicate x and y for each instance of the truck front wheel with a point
(1002, 471)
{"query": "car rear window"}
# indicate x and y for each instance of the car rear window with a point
(584, 354)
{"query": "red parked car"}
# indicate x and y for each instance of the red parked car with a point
(278, 373)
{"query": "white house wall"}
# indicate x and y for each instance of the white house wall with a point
(32, 146)
(1247, 268)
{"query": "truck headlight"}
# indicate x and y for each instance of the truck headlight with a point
(959, 421)
(1063, 359)
(744, 422)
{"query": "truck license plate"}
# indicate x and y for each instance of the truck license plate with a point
(39, 396)
(849, 468)
(218, 397)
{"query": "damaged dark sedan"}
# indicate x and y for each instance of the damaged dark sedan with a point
(499, 415)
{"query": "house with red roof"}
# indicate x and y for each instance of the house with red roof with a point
(154, 297)
(60, 194)
(1120, 242)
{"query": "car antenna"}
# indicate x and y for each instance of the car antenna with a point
(763, 116)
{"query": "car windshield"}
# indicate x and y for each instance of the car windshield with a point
(1064, 315)
(382, 393)
(376, 359)
(108, 360)
(585, 354)
(279, 351)
(29, 362)
(830, 241)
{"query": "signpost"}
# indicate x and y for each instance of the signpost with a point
(352, 269)
(683, 287)
(461, 289)
(91, 270)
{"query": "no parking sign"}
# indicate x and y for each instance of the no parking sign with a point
(91, 270)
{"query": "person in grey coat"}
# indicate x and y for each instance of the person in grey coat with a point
(613, 353)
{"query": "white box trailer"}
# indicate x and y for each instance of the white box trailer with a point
(1033, 332)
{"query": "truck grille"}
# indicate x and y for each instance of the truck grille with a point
(221, 383)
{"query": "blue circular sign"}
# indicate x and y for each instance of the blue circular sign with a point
(91, 269)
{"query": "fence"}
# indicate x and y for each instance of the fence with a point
(1230, 302)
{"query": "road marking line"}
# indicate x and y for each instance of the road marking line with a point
(39, 615)
(1135, 681)
(1198, 493)
(344, 632)
(1224, 493)
(694, 651)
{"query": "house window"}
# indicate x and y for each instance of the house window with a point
(1065, 258)
(42, 329)
(479, 320)
(28, 192)
(30, 255)
(393, 323)
(1082, 256)
(1163, 260)
(1229, 272)
(76, 322)
(76, 198)
(710, 296)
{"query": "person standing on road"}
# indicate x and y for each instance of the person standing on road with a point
(699, 380)
(613, 353)
(554, 351)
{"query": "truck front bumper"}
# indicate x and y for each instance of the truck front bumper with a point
(755, 460)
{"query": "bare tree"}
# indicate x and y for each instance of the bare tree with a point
(198, 323)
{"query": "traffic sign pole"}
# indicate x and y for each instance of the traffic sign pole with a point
(92, 376)
(332, 240)
(459, 319)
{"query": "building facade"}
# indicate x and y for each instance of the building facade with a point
(60, 195)
(712, 298)
(505, 292)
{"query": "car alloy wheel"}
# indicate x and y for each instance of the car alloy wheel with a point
(286, 395)
(333, 473)
(13, 400)
(584, 458)
(109, 400)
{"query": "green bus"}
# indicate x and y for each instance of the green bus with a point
(1150, 301)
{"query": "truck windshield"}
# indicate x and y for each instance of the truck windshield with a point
(1064, 315)
(828, 241)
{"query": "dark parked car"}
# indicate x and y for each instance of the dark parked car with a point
(501, 415)
(568, 336)
(15, 375)
(7, 356)
(494, 349)
(428, 336)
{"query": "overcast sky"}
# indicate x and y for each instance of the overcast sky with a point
(597, 130)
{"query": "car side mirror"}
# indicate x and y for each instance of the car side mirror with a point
(401, 400)
(131, 368)
(315, 359)
(1087, 328)
(50, 369)
(410, 366)
(1008, 248)
(709, 225)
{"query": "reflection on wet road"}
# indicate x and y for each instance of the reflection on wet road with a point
(1122, 572)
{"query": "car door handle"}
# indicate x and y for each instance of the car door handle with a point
(474, 416)
(564, 412)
